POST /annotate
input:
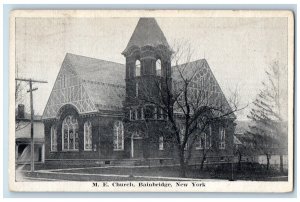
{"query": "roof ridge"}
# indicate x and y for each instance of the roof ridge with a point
(203, 59)
(72, 54)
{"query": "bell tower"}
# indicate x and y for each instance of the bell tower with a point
(148, 69)
(148, 65)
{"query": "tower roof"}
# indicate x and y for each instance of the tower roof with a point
(147, 32)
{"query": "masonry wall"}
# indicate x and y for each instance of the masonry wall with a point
(104, 153)
(102, 141)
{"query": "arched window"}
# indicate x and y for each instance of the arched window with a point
(137, 68)
(53, 138)
(201, 141)
(70, 133)
(222, 138)
(161, 143)
(118, 136)
(210, 136)
(158, 67)
(88, 136)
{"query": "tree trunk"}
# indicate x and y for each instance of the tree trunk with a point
(239, 163)
(182, 165)
(202, 163)
(268, 161)
(281, 163)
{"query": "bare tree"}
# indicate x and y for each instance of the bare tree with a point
(187, 104)
(20, 92)
(266, 127)
(242, 146)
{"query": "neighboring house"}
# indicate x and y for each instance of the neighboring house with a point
(93, 117)
(245, 144)
(23, 137)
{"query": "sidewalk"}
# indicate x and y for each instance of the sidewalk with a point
(125, 173)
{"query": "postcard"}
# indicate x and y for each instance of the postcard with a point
(151, 101)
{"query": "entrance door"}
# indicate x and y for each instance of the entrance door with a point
(136, 147)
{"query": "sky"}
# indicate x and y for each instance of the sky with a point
(238, 50)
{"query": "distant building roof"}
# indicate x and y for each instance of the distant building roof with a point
(147, 32)
(240, 132)
(236, 140)
(27, 117)
(241, 127)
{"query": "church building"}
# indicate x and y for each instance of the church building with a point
(96, 113)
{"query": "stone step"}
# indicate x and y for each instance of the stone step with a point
(128, 162)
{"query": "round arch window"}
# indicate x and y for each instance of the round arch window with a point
(137, 68)
(158, 67)
(118, 136)
(70, 133)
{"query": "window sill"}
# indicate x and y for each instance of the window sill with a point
(118, 149)
(202, 148)
(70, 150)
(148, 119)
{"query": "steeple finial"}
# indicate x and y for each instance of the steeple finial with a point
(147, 32)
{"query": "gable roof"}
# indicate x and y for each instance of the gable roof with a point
(187, 70)
(147, 32)
(92, 69)
(199, 70)
(102, 82)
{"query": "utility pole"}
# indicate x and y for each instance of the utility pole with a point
(31, 115)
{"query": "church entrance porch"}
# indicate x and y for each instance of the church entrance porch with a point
(136, 149)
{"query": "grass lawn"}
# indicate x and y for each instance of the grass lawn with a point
(108, 173)
(192, 172)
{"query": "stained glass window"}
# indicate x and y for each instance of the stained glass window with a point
(118, 136)
(70, 133)
(209, 144)
(161, 143)
(142, 113)
(88, 136)
(200, 142)
(222, 138)
(158, 67)
(137, 68)
(53, 138)
(130, 114)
